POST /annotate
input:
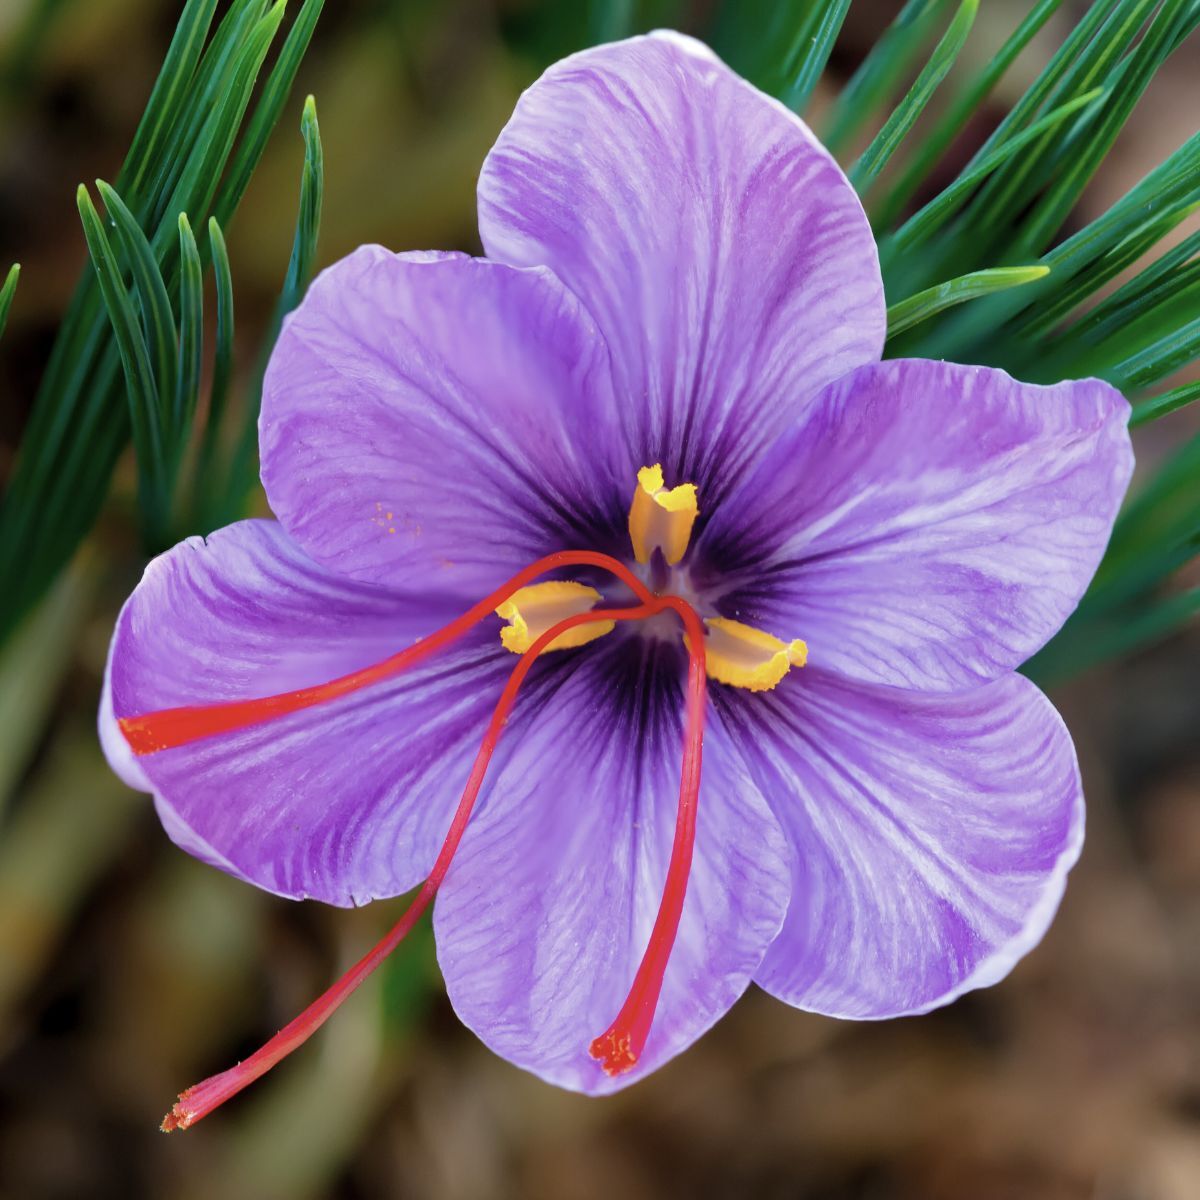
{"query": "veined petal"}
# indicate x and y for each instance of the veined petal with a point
(345, 801)
(924, 524)
(721, 250)
(931, 836)
(427, 422)
(546, 911)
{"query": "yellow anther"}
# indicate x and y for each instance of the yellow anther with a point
(661, 518)
(532, 610)
(745, 657)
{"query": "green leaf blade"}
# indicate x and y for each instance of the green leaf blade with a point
(7, 292)
(266, 116)
(816, 38)
(906, 314)
(939, 139)
(144, 406)
(1161, 405)
(191, 333)
(880, 72)
(925, 223)
(158, 319)
(897, 127)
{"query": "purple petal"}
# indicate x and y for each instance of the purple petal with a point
(924, 524)
(719, 247)
(931, 836)
(427, 421)
(345, 801)
(547, 909)
(125, 764)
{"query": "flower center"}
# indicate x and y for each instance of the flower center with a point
(660, 530)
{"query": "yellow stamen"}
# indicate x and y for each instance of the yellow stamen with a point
(532, 610)
(745, 657)
(661, 518)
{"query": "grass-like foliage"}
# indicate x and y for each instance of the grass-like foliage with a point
(123, 364)
(7, 292)
(985, 268)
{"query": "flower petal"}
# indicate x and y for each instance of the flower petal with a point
(345, 801)
(721, 250)
(924, 524)
(426, 421)
(547, 909)
(931, 836)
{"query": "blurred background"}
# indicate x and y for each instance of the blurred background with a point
(128, 971)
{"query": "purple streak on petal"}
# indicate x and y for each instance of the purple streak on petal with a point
(720, 248)
(427, 422)
(343, 802)
(931, 836)
(925, 524)
(546, 912)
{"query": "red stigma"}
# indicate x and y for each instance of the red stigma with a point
(148, 733)
(620, 1046)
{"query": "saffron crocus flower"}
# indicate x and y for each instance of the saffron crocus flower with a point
(653, 432)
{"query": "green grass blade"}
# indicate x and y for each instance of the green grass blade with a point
(1084, 644)
(1174, 182)
(1001, 196)
(7, 292)
(80, 420)
(158, 321)
(1144, 62)
(1155, 527)
(1158, 532)
(266, 116)
(206, 483)
(308, 221)
(191, 332)
(880, 72)
(83, 364)
(198, 182)
(984, 228)
(210, 91)
(1167, 402)
(922, 225)
(1049, 79)
(934, 145)
(816, 38)
(897, 127)
(907, 313)
(167, 97)
(144, 408)
(304, 248)
(1088, 282)
(1169, 275)
(1143, 573)
(223, 360)
(764, 40)
(1164, 357)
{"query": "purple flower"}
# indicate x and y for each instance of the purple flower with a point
(681, 303)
